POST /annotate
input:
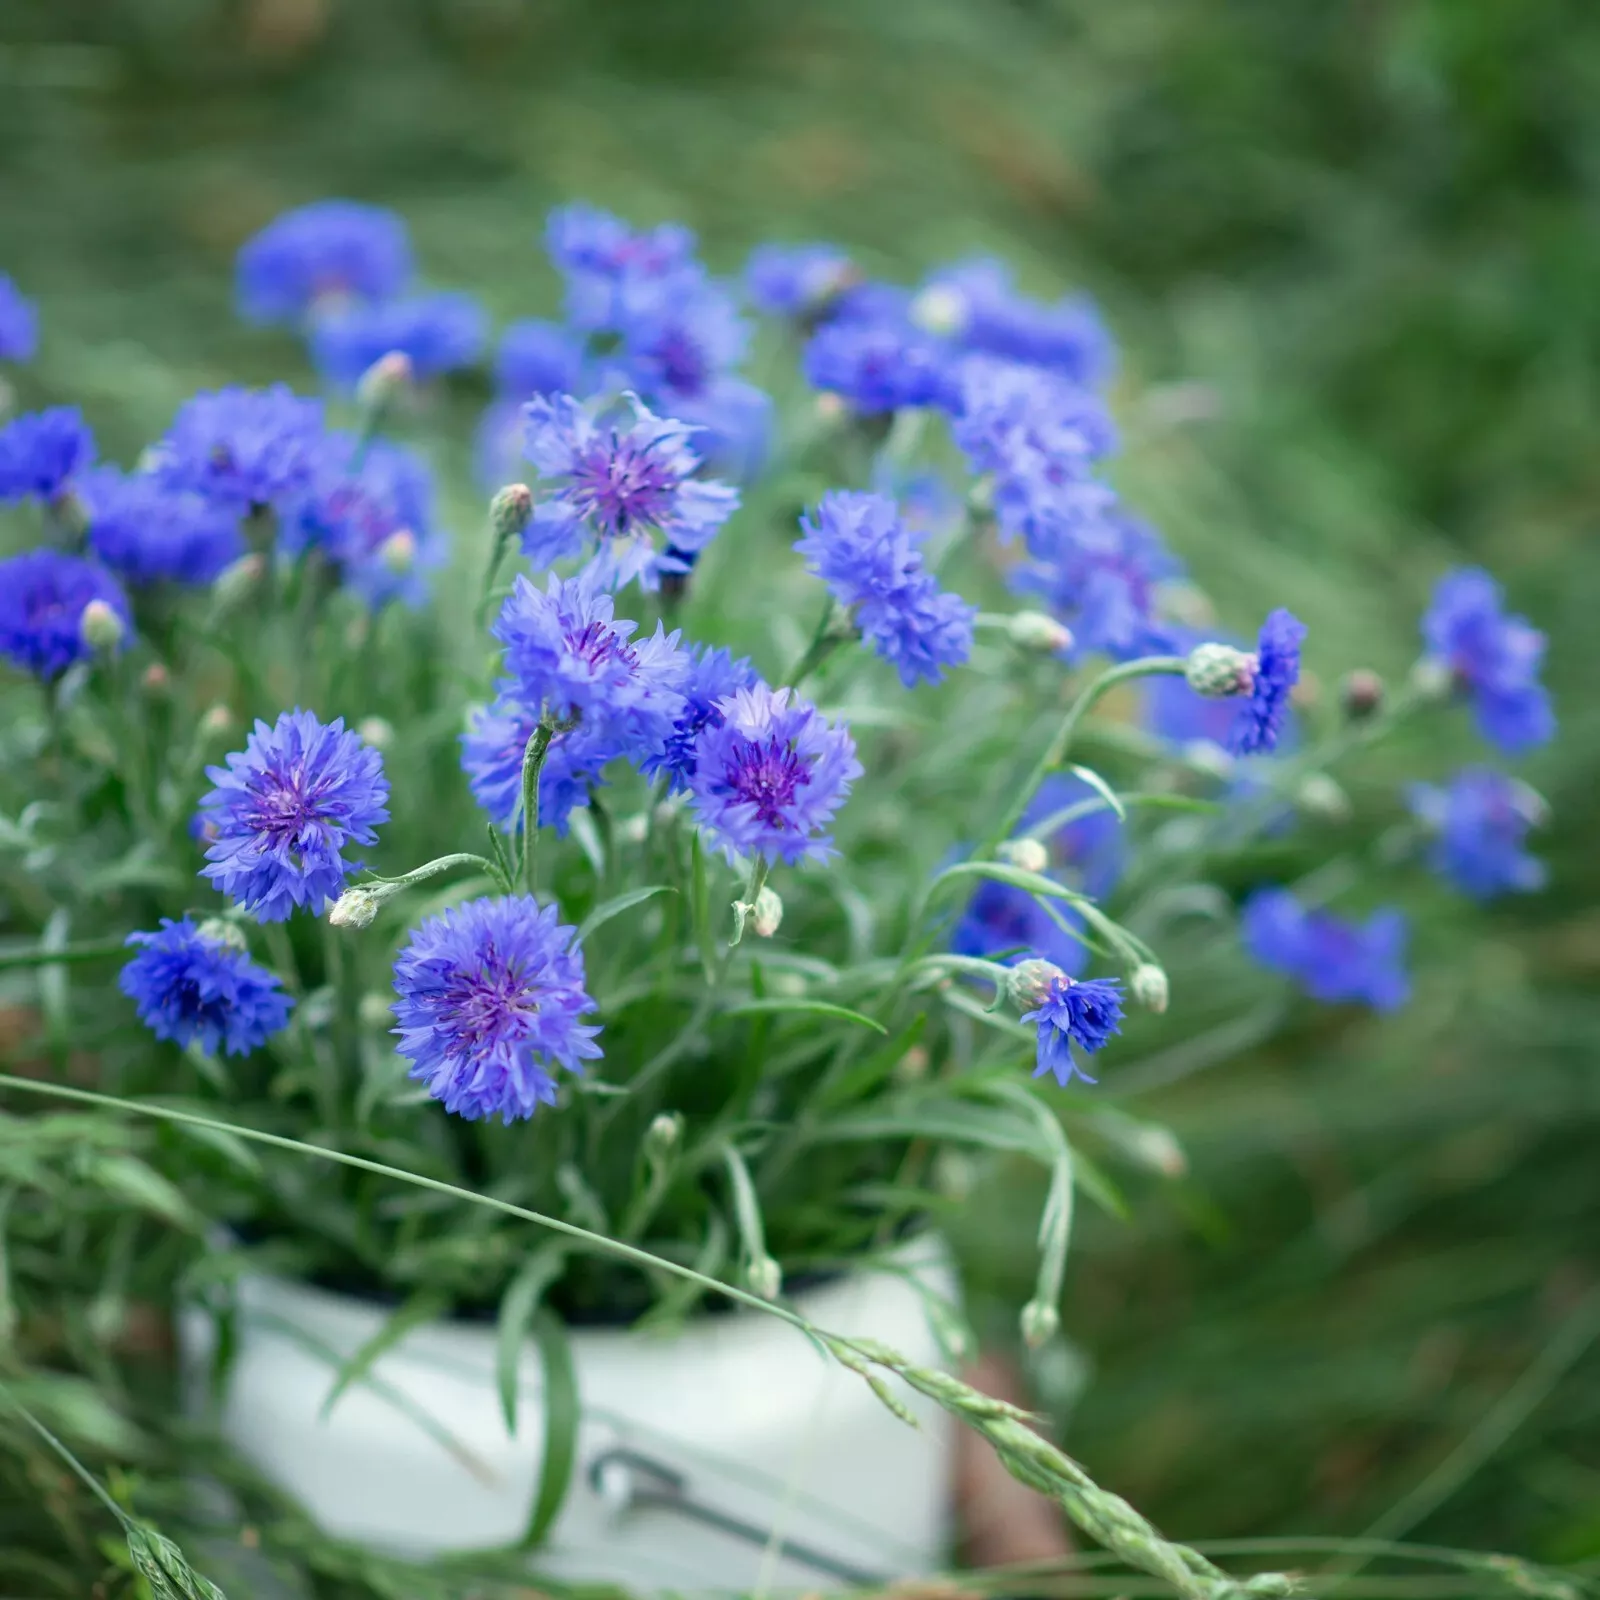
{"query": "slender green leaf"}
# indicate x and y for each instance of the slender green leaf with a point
(614, 907)
(821, 1008)
(562, 1413)
(427, 1305)
(702, 908)
(1089, 776)
(128, 1178)
(517, 1307)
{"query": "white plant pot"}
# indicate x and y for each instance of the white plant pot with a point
(730, 1455)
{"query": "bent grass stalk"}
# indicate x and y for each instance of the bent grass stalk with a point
(1026, 1456)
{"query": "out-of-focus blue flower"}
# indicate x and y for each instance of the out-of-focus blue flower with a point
(41, 452)
(1004, 923)
(189, 987)
(19, 323)
(732, 420)
(1174, 712)
(975, 304)
(285, 807)
(678, 336)
(43, 594)
(871, 562)
(880, 363)
(538, 358)
(497, 444)
(1478, 823)
(568, 655)
(1078, 1012)
(1103, 584)
(1333, 960)
(489, 997)
(437, 333)
(606, 263)
(1260, 720)
(242, 448)
(493, 747)
(150, 532)
(320, 255)
(768, 778)
(796, 280)
(713, 676)
(370, 513)
(622, 483)
(1494, 658)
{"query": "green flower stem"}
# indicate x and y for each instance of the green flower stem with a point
(497, 554)
(823, 643)
(1055, 753)
(432, 869)
(68, 954)
(746, 907)
(532, 762)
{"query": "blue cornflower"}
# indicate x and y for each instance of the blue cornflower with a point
(1174, 712)
(732, 420)
(436, 333)
(620, 482)
(323, 254)
(149, 532)
(871, 562)
(604, 261)
(370, 513)
(1004, 923)
(1493, 657)
(880, 363)
(1274, 673)
(1332, 959)
(19, 323)
(976, 304)
(678, 334)
(1075, 1012)
(43, 594)
(492, 751)
(243, 448)
(1478, 824)
(713, 675)
(768, 779)
(490, 993)
(189, 986)
(538, 358)
(285, 807)
(570, 656)
(42, 451)
(1103, 584)
(796, 280)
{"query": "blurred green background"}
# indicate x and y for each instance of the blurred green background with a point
(1352, 254)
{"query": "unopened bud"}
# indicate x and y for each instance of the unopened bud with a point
(1033, 630)
(766, 913)
(156, 680)
(912, 1067)
(220, 930)
(376, 1012)
(216, 722)
(940, 310)
(634, 829)
(376, 731)
(384, 380)
(510, 510)
(1319, 796)
(1433, 679)
(663, 1135)
(398, 552)
(355, 908)
(1030, 983)
(765, 1277)
(1040, 1324)
(1219, 671)
(1148, 985)
(1028, 854)
(238, 580)
(831, 407)
(1159, 1149)
(1361, 694)
(100, 627)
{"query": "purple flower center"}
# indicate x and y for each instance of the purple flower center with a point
(285, 809)
(683, 363)
(766, 775)
(484, 1007)
(597, 643)
(623, 488)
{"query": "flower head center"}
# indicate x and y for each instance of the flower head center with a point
(487, 1006)
(623, 489)
(766, 775)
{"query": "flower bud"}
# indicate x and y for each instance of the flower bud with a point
(510, 511)
(398, 552)
(355, 908)
(383, 380)
(634, 829)
(1159, 1149)
(1319, 796)
(1031, 982)
(1148, 985)
(376, 1012)
(940, 310)
(1219, 671)
(1033, 630)
(1040, 1324)
(1361, 694)
(156, 681)
(216, 722)
(830, 407)
(1028, 854)
(376, 731)
(765, 1277)
(912, 1067)
(766, 913)
(1433, 679)
(663, 1135)
(100, 627)
(223, 930)
(238, 580)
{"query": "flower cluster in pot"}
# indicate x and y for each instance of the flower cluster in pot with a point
(735, 864)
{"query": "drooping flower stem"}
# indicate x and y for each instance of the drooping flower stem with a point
(532, 760)
(1055, 753)
(742, 908)
(823, 643)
